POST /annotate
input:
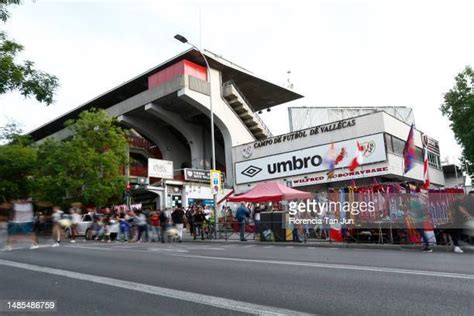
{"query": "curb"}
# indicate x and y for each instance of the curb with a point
(437, 248)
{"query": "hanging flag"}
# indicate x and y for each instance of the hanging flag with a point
(357, 160)
(426, 174)
(409, 150)
(330, 160)
(340, 156)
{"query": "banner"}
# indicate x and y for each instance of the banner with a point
(308, 160)
(216, 182)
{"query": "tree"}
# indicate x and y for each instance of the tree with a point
(458, 107)
(17, 164)
(87, 167)
(22, 77)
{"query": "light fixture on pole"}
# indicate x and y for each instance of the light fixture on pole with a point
(184, 40)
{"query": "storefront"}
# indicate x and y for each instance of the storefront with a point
(299, 158)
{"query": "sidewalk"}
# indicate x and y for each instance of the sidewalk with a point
(328, 244)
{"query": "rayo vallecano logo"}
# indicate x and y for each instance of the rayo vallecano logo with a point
(247, 151)
(369, 148)
(251, 171)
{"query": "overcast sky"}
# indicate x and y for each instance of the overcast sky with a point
(340, 53)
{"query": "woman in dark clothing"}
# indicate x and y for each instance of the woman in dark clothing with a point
(198, 220)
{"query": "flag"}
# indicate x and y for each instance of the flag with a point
(409, 150)
(426, 174)
(357, 160)
(330, 160)
(340, 156)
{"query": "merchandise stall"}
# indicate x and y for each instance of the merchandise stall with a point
(274, 193)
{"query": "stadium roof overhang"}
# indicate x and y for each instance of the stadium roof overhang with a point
(260, 93)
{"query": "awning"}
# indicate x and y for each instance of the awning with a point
(270, 192)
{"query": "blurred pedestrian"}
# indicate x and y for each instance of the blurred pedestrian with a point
(56, 217)
(178, 220)
(164, 220)
(155, 226)
(241, 216)
(198, 222)
(141, 226)
(75, 220)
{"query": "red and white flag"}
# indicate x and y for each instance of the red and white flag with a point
(357, 160)
(426, 174)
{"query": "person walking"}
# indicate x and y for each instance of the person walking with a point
(241, 215)
(75, 220)
(56, 217)
(462, 210)
(178, 220)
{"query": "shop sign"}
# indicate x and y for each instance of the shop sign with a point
(430, 143)
(158, 168)
(341, 175)
(197, 175)
(308, 160)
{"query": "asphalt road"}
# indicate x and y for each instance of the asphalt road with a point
(227, 279)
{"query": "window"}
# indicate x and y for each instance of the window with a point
(419, 154)
(433, 160)
(398, 145)
(388, 141)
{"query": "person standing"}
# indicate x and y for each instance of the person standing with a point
(155, 226)
(141, 225)
(198, 221)
(164, 219)
(241, 215)
(256, 216)
(178, 220)
(190, 219)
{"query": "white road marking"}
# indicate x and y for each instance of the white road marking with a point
(214, 301)
(289, 247)
(267, 247)
(248, 246)
(343, 267)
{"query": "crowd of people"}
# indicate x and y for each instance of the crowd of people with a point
(132, 225)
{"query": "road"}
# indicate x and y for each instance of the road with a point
(234, 279)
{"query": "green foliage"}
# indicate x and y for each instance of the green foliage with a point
(4, 14)
(17, 165)
(11, 133)
(87, 167)
(22, 77)
(458, 107)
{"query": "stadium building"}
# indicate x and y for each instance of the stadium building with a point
(167, 112)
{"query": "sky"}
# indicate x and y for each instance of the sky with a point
(340, 53)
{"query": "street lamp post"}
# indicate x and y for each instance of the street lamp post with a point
(184, 40)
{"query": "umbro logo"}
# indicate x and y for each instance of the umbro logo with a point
(251, 171)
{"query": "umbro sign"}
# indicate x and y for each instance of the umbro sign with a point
(251, 171)
(307, 160)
